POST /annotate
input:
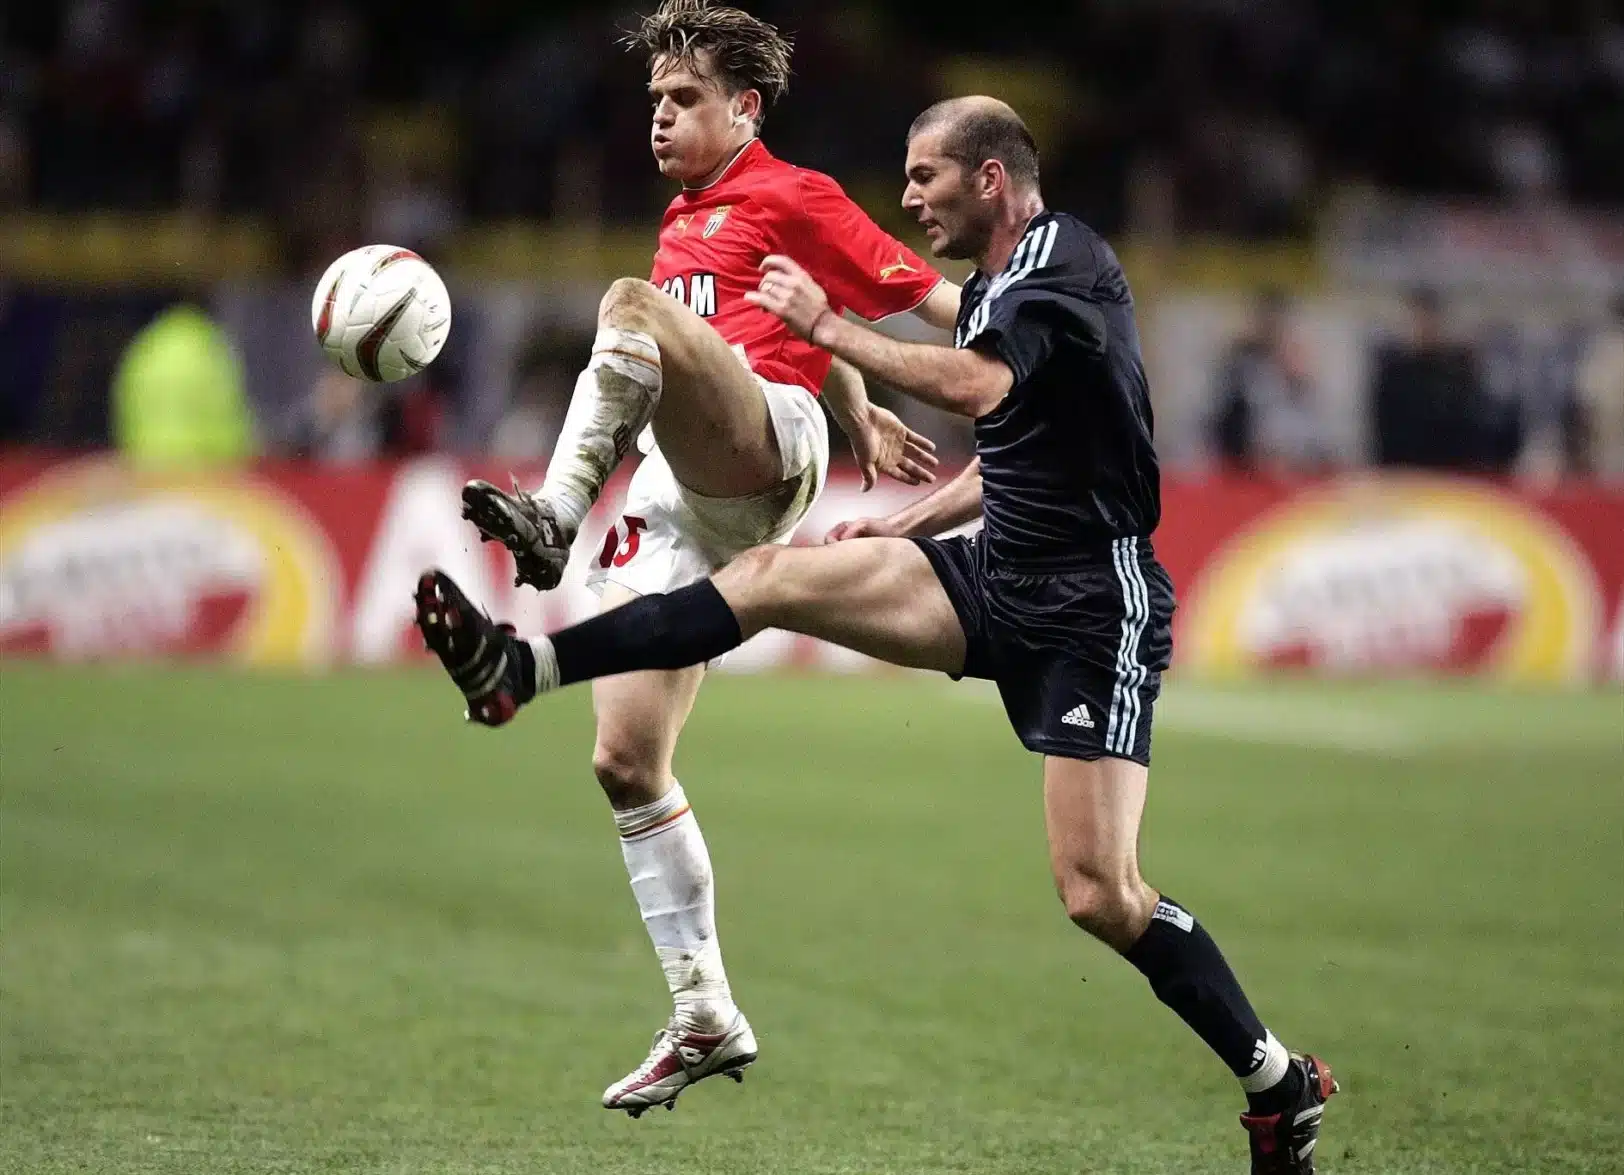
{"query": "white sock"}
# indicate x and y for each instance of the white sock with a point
(670, 872)
(1271, 1069)
(546, 664)
(614, 401)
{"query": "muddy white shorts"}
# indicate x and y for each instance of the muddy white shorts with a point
(668, 536)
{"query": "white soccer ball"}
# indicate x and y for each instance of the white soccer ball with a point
(381, 313)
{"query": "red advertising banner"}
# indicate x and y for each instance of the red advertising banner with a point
(1397, 574)
(304, 566)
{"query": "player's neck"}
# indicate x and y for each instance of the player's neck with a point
(716, 173)
(1007, 233)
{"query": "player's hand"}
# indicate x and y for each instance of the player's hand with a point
(883, 444)
(864, 528)
(788, 291)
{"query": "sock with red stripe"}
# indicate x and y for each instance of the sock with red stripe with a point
(670, 872)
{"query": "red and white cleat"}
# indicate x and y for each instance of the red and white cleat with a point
(679, 1058)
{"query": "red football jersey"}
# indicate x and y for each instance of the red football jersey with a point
(712, 241)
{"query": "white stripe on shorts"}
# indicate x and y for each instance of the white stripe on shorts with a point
(1122, 729)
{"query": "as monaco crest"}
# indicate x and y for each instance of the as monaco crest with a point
(714, 224)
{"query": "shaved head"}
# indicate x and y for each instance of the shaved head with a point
(979, 128)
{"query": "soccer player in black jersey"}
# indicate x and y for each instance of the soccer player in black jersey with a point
(1059, 599)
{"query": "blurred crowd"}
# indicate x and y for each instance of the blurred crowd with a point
(337, 121)
(1435, 390)
(397, 122)
(1497, 399)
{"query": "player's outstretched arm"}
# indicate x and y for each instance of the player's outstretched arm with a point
(959, 380)
(941, 306)
(880, 441)
(957, 502)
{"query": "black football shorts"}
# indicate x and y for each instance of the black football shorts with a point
(1077, 655)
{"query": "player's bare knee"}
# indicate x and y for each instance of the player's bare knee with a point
(1105, 905)
(630, 304)
(757, 588)
(629, 774)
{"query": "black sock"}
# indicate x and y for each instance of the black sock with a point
(524, 682)
(662, 631)
(1188, 973)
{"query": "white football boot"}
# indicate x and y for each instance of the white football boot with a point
(679, 1058)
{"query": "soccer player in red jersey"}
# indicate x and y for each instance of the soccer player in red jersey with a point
(721, 396)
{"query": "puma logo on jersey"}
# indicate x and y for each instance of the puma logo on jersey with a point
(697, 291)
(901, 266)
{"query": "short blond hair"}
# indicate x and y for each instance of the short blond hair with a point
(746, 53)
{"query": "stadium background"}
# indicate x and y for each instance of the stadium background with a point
(257, 916)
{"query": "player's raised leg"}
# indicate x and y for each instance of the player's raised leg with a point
(878, 596)
(654, 361)
(639, 718)
(712, 424)
(1092, 810)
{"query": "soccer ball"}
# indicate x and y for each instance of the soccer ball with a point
(381, 313)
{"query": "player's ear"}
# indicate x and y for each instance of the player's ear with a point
(747, 107)
(991, 178)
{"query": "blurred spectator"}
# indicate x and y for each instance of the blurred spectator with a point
(1524, 162)
(414, 415)
(1530, 371)
(348, 421)
(1429, 404)
(1267, 412)
(339, 423)
(410, 166)
(528, 102)
(1601, 396)
(178, 394)
(1242, 176)
(545, 381)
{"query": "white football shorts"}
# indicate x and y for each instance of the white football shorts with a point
(668, 536)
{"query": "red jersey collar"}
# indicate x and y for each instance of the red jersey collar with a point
(748, 155)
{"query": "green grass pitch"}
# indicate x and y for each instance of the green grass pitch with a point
(279, 924)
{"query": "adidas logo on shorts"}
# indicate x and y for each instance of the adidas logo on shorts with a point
(1078, 716)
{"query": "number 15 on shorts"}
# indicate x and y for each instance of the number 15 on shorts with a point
(621, 542)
